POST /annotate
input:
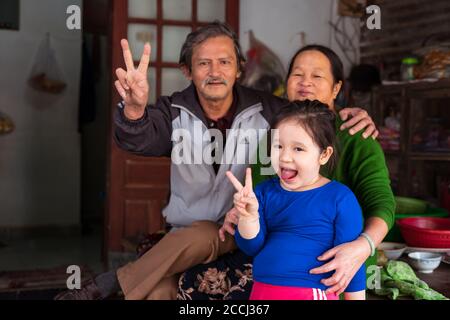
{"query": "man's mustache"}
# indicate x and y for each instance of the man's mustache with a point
(210, 80)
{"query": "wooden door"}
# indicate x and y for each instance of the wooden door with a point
(138, 187)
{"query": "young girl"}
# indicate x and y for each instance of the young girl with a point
(290, 220)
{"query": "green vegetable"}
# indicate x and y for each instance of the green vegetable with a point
(392, 293)
(398, 279)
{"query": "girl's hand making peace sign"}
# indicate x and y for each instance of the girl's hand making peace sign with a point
(245, 200)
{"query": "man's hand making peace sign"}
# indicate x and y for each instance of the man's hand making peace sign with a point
(246, 203)
(132, 84)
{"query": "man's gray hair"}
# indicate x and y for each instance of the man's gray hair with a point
(212, 30)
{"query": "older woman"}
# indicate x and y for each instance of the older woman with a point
(315, 72)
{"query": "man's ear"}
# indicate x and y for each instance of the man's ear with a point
(240, 67)
(186, 72)
(336, 89)
(325, 156)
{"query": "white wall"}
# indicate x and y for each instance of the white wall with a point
(278, 25)
(40, 160)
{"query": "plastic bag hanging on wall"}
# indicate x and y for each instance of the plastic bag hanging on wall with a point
(264, 70)
(46, 75)
(6, 124)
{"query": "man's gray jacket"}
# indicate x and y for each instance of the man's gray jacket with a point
(176, 126)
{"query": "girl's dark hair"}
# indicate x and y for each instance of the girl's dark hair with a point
(211, 30)
(316, 119)
(337, 68)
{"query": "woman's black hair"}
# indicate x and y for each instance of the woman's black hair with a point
(316, 119)
(337, 68)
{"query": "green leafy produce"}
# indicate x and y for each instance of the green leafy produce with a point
(398, 279)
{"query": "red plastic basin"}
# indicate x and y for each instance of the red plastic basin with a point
(425, 232)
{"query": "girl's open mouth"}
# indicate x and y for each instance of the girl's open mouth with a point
(288, 174)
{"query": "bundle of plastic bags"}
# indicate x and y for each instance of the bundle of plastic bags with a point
(46, 75)
(6, 124)
(264, 70)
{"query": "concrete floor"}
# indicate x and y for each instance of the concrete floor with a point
(49, 252)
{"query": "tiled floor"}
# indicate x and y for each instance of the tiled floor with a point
(50, 252)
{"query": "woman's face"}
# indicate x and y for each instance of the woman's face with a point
(311, 78)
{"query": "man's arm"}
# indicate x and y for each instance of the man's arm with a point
(140, 129)
(358, 119)
(150, 135)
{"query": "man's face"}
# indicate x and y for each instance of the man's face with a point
(214, 68)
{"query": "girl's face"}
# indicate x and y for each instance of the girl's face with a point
(311, 78)
(295, 157)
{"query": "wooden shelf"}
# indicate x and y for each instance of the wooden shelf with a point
(414, 102)
(436, 156)
(392, 153)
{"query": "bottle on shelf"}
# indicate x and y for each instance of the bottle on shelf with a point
(407, 68)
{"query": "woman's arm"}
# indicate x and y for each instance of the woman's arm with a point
(358, 295)
(348, 226)
(350, 256)
(377, 229)
(362, 168)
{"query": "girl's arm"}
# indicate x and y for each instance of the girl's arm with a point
(251, 230)
(248, 228)
(253, 245)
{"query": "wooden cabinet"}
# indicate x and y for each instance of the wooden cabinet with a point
(418, 155)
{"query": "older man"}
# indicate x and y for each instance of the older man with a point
(212, 106)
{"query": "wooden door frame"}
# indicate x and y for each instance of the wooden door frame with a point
(118, 30)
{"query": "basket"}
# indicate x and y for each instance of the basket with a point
(406, 205)
(425, 232)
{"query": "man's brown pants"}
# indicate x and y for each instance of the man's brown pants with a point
(154, 276)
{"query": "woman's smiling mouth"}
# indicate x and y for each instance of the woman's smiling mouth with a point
(303, 93)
